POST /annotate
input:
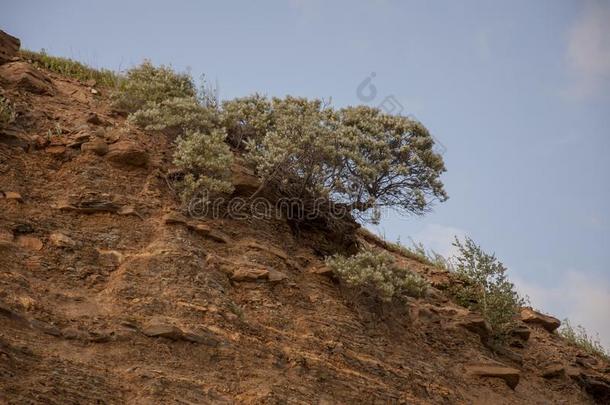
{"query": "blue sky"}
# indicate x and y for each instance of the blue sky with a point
(518, 93)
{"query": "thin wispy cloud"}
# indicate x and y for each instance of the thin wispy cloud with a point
(588, 51)
(440, 238)
(583, 297)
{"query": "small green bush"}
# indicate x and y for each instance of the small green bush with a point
(71, 68)
(179, 113)
(579, 337)
(7, 112)
(484, 286)
(206, 158)
(146, 84)
(376, 274)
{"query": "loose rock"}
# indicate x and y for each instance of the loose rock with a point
(97, 146)
(127, 153)
(495, 370)
(554, 370)
(24, 76)
(549, 323)
(476, 324)
(245, 273)
(11, 195)
(159, 329)
(29, 242)
(58, 239)
(9, 47)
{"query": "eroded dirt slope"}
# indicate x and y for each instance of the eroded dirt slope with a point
(109, 295)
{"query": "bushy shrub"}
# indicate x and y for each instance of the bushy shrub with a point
(7, 112)
(147, 84)
(71, 68)
(387, 161)
(206, 158)
(485, 287)
(377, 275)
(296, 152)
(178, 113)
(357, 157)
(246, 118)
(579, 337)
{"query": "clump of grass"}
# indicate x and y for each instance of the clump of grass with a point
(7, 112)
(579, 337)
(71, 68)
(420, 254)
(375, 274)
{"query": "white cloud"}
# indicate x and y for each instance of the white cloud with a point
(582, 297)
(439, 238)
(588, 50)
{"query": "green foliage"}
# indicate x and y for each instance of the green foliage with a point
(387, 161)
(178, 113)
(71, 68)
(484, 286)
(146, 85)
(7, 112)
(376, 274)
(579, 337)
(297, 151)
(358, 157)
(247, 118)
(207, 159)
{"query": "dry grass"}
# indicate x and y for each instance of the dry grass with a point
(578, 336)
(71, 68)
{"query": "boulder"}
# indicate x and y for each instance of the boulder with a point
(208, 232)
(17, 138)
(29, 242)
(598, 386)
(56, 150)
(90, 206)
(522, 332)
(528, 315)
(127, 153)
(553, 370)
(11, 195)
(94, 119)
(247, 273)
(174, 218)
(22, 75)
(495, 370)
(45, 327)
(60, 240)
(9, 47)
(476, 324)
(161, 329)
(322, 270)
(201, 336)
(97, 146)
(110, 258)
(276, 276)
(275, 251)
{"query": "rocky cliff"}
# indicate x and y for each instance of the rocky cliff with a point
(110, 294)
